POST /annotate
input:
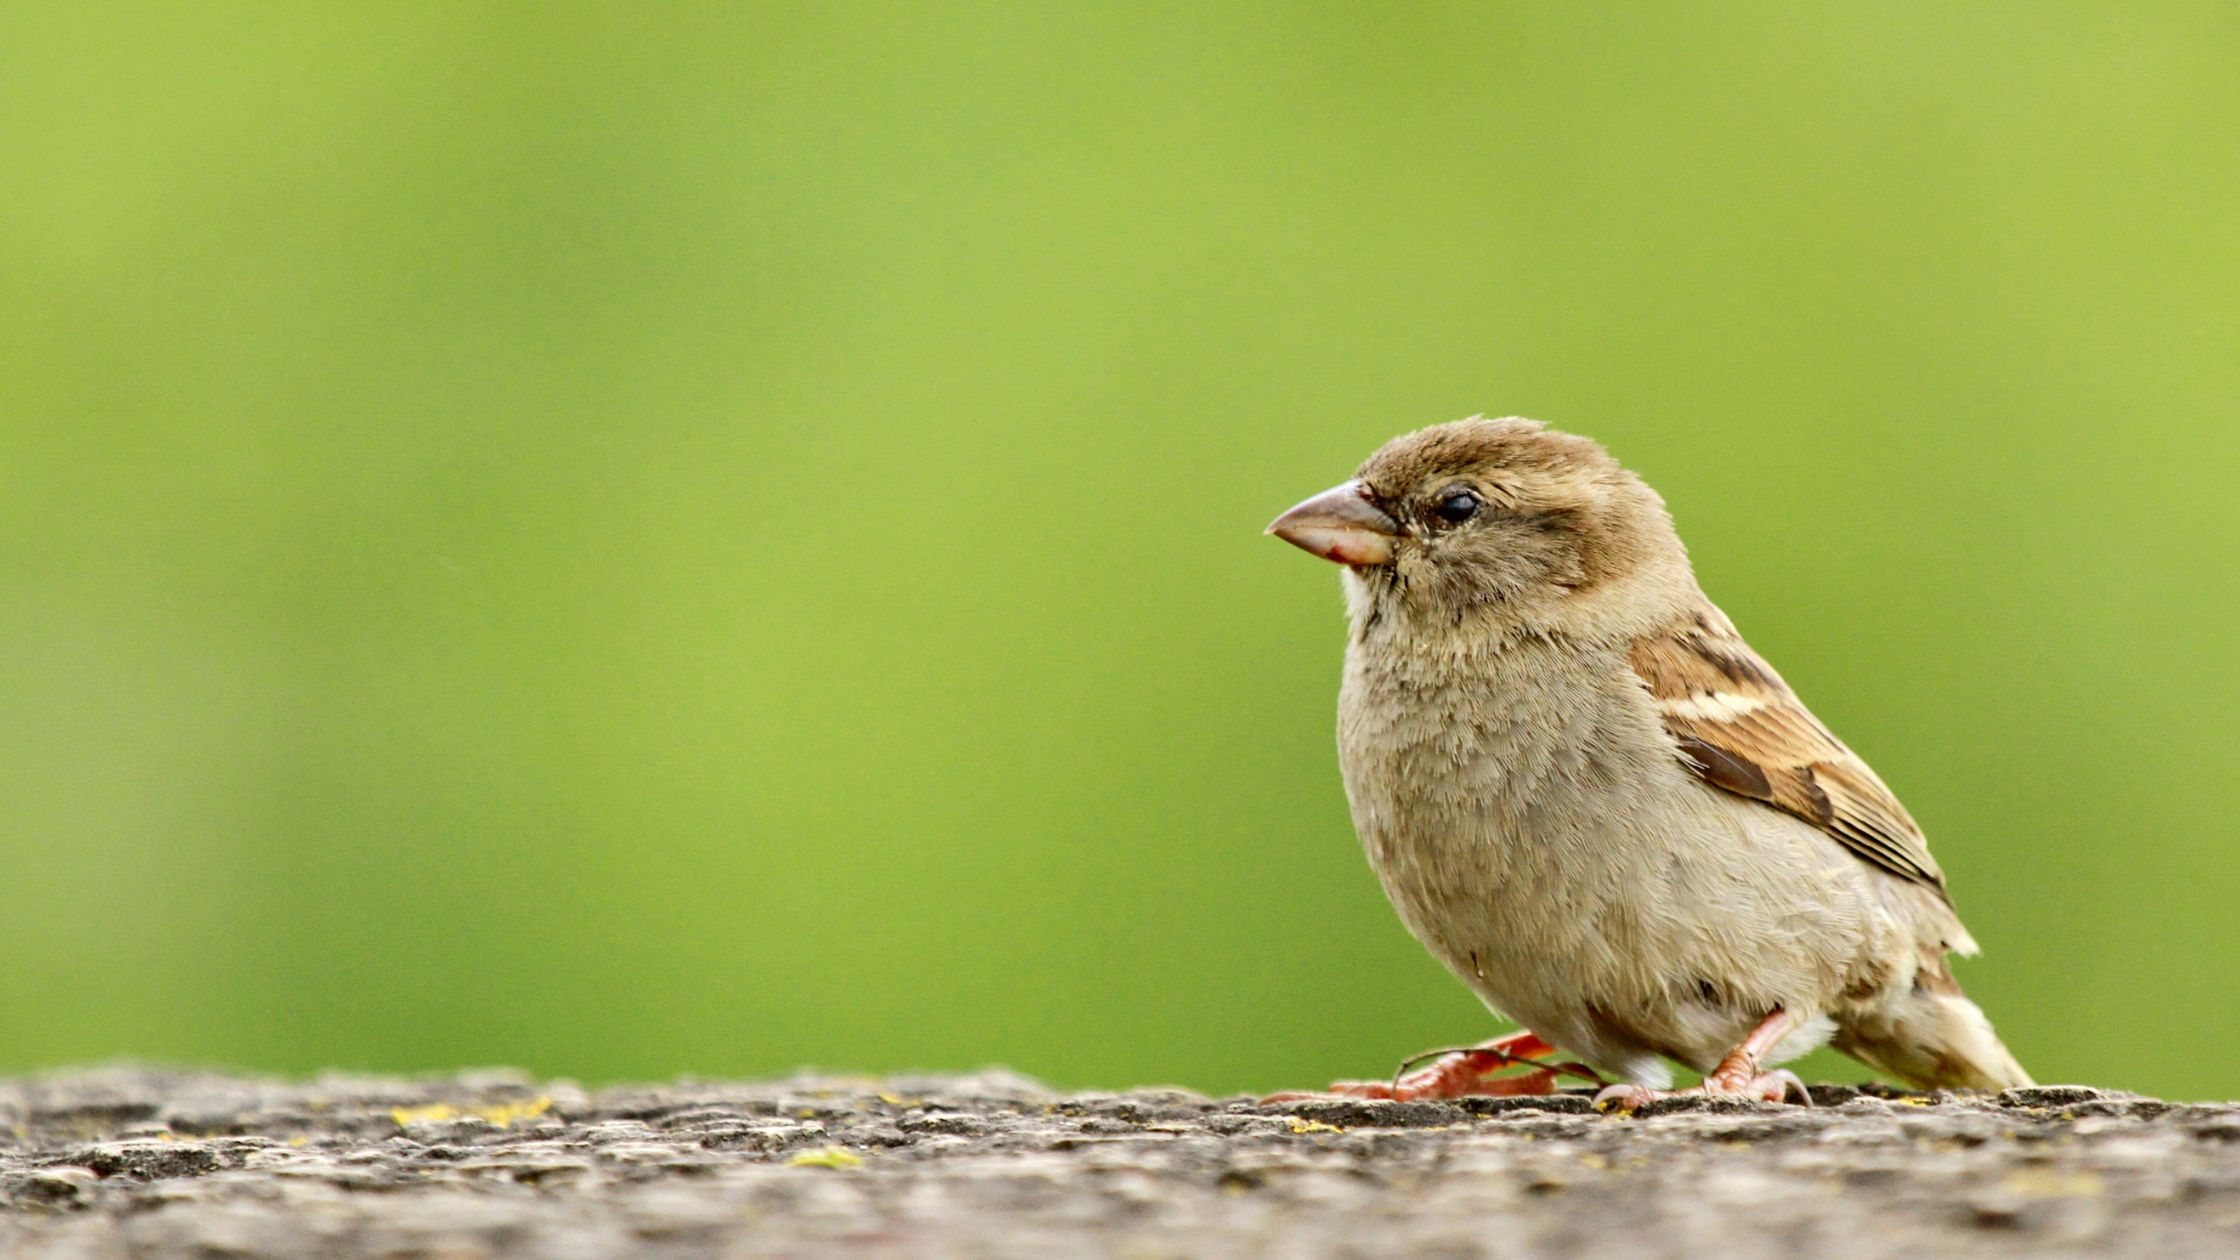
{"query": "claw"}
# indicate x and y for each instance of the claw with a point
(1626, 1097)
(1786, 1086)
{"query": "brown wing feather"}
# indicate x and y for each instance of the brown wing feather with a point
(1742, 730)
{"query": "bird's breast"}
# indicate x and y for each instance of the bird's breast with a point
(1497, 795)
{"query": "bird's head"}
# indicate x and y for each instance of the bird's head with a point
(1502, 519)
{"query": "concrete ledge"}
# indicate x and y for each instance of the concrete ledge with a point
(122, 1163)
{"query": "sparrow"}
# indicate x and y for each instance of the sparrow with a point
(1590, 799)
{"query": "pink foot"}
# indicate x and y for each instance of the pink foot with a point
(1465, 1074)
(1779, 1085)
(1739, 1075)
(1425, 1084)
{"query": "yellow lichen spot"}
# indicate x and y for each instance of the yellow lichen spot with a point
(506, 1115)
(299, 1141)
(503, 1115)
(1300, 1125)
(826, 1157)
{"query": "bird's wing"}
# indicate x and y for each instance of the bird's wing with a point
(1740, 728)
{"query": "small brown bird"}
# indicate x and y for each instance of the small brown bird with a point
(1591, 800)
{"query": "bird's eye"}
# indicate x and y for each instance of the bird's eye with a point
(1457, 506)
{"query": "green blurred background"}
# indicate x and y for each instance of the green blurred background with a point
(633, 540)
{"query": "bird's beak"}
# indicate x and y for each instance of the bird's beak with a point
(1341, 525)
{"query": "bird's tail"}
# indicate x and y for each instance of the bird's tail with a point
(1934, 1038)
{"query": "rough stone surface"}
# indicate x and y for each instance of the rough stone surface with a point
(121, 1163)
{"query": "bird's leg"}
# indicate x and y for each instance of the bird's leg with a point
(1741, 1074)
(1468, 1073)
